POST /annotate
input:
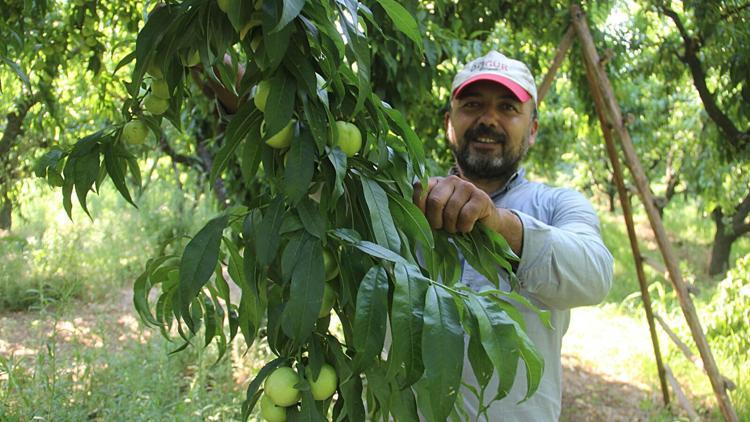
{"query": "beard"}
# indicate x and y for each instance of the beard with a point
(476, 165)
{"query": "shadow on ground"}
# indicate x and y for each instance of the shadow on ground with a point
(591, 396)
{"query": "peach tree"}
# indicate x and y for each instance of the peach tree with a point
(321, 223)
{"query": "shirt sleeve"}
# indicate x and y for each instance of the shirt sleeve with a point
(564, 263)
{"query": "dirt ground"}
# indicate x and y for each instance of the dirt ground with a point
(598, 354)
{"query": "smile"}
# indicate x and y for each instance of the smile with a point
(486, 140)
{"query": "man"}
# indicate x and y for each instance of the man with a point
(490, 126)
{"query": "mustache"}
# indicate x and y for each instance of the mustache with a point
(484, 131)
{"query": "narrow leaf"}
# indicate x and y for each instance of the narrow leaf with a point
(406, 320)
(380, 215)
(306, 292)
(442, 333)
(371, 315)
(403, 20)
(198, 262)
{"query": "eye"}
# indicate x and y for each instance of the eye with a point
(472, 104)
(508, 106)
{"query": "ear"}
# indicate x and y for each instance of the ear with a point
(446, 121)
(533, 127)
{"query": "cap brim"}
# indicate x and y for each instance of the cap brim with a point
(516, 89)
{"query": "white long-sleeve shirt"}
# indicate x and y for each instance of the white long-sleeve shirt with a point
(564, 263)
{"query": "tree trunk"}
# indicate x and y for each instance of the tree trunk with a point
(726, 235)
(6, 210)
(722, 245)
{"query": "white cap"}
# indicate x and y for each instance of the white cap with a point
(496, 67)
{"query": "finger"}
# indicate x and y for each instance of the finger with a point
(453, 208)
(437, 198)
(419, 197)
(473, 210)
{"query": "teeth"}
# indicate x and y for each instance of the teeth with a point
(486, 140)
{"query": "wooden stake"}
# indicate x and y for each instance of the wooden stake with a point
(627, 212)
(681, 397)
(730, 385)
(562, 50)
(603, 88)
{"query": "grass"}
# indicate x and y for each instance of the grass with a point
(48, 257)
(126, 373)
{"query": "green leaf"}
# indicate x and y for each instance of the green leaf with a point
(319, 122)
(116, 167)
(280, 103)
(299, 167)
(350, 384)
(246, 120)
(142, 286)
(403, 404)
(414, 145)
(518, 299)
(380, 215)
(306, 292)
(268, 238)
(443, 350)
(338, 161)
(308, 411)
(411, 220)
(372, 249)
(359, 46)
(210, 319)
(481, 364)
(17, 69)
(86, 172)
(291, 11)
(371, 315)
(198, 262)
(406, 322)
(504, 341)
(311, 217)
(474, 257)
(403, 20)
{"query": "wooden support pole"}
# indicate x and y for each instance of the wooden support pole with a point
(659, 267)
(603, 88)
(562, 51)
(681, 397)
(627, 213)
(728, 383)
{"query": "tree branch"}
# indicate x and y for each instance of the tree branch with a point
(739, 225)
(735, 137)
(14, 127)
(176, 157)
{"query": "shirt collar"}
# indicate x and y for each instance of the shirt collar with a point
(515, 180)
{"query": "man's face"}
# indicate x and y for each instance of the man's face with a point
(489, 130)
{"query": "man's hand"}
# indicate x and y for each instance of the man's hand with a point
(456, 205)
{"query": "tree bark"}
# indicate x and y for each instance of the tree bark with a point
(6, 214)
(726, 235)
(11, 134)
(722, 245)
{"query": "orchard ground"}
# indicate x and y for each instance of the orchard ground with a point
(605, 356)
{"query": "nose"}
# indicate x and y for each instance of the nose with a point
(489, 117)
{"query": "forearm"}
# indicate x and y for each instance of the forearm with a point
(564, 267)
